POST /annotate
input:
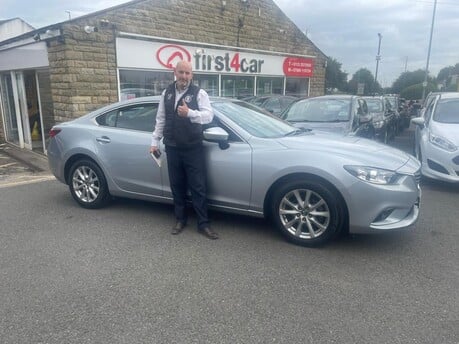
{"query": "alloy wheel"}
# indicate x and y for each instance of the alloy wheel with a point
(304, 213)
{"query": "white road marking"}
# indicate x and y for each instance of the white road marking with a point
(30, 180)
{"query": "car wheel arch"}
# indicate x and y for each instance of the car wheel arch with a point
(74, 158)
(303, 177)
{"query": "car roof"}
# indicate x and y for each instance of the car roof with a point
(449, 95)
(337, 96)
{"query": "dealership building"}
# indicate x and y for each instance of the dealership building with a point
(237, 48)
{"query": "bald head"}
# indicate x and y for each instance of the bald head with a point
(183, 64)
(183, 75)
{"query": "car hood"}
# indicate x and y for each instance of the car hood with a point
(449, 131)
(351, 149)
(337, 128)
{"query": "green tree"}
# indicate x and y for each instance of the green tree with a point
(365, 77)
(445, 77)
(408, 79)
(335, 78)
(415, 91)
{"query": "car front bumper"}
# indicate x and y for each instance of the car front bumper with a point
(375, 208)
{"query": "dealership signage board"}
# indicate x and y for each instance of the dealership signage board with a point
(133, 53)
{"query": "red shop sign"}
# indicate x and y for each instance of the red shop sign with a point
(298, 66)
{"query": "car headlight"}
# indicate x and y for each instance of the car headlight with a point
(378, 124)
(373, 175)
(442, 143)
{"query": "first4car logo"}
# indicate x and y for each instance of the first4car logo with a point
(227, 63)
(168, 56)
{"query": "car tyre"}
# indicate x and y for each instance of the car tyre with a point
(88, 185)
(307, 213)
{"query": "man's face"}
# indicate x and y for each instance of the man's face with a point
(183, 74)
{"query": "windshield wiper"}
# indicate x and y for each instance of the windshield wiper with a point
(297, 131)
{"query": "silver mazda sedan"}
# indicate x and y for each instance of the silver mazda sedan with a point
(312, 185)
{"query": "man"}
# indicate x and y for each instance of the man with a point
(183, 109)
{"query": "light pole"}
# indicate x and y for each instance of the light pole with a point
(378, 57)
(424, 84)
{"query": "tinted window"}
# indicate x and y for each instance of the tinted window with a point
(136, 117)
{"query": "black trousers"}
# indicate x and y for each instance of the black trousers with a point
(187, 171)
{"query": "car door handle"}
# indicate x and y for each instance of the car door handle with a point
(103, 139)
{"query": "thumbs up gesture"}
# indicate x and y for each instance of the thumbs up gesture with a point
(182, 109)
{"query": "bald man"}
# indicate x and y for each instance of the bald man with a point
(183, 109)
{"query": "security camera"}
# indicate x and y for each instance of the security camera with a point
(36, 37)
(104, 22)
(89, 29)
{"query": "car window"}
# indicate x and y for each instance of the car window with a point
(428, 112)
(254, 122)
(447, 111)
(319, 110)
(135, 117)
(374, 105)
(273, 105)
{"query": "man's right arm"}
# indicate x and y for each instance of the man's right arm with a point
(160, 122)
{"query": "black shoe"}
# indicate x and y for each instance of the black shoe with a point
(209, 233)
(178, 228)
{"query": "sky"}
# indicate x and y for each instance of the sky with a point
(346, 30)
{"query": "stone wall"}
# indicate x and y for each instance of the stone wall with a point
(83, 66)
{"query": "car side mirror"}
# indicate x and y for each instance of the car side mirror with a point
(418, 121)
(218, 135)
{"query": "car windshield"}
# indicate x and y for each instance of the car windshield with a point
(447, 111)
(253, 121)
(392, 102)
(374, 105)
(319, 110)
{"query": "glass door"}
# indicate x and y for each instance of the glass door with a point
(22, 113)
(9, 109)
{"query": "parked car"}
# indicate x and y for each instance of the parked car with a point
(437, 139)
(275, 104)
(402, 119)
(312, 185)
(384, 120)
(343, 114)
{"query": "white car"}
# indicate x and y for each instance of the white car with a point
(437, 138)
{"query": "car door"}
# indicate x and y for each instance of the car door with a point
(123, 139)
(229, 172)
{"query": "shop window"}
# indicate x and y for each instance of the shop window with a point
(268, 86)
(207, 82)
(237, 86)
(135, 83)
(297, 87)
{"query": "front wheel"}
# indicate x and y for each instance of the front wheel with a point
(87, 184)
(307, 213)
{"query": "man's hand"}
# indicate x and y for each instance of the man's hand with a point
(182, 110)
(154, 149)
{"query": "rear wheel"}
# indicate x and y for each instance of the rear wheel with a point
(307, 213)
(88, 185)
